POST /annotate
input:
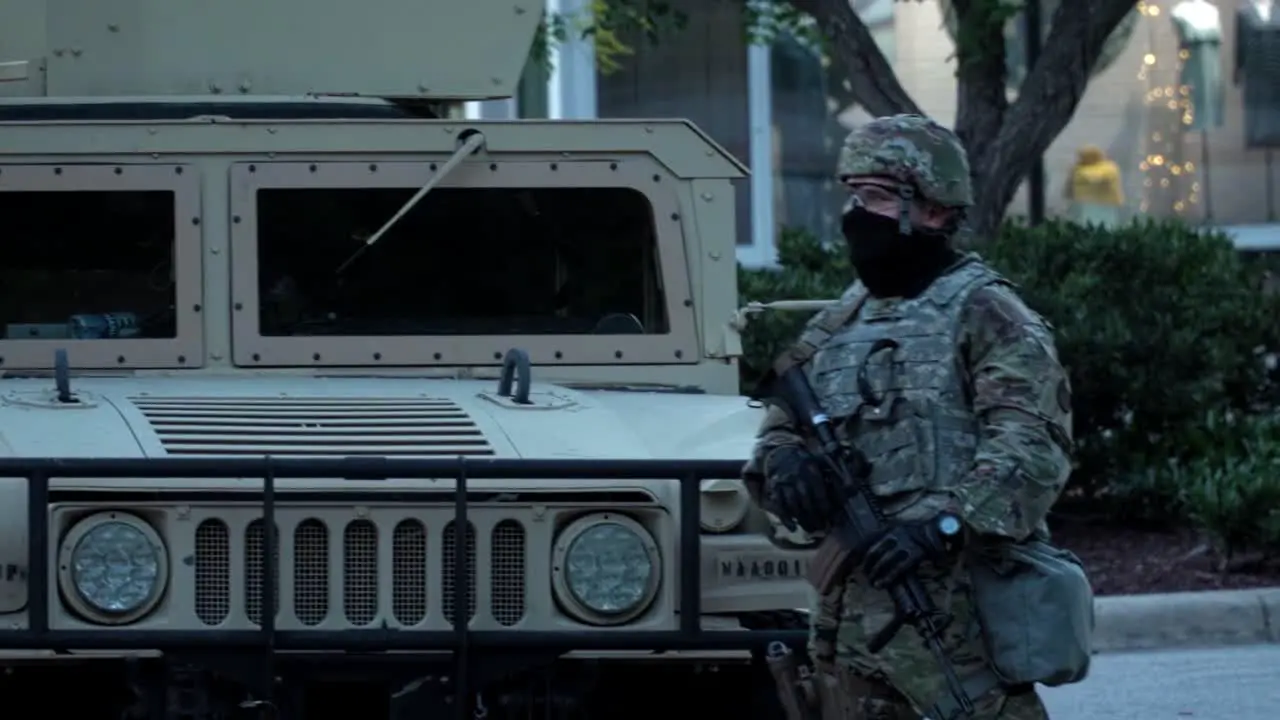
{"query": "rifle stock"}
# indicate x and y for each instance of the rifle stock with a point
(829, 565)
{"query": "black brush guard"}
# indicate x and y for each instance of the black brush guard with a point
(461, 641)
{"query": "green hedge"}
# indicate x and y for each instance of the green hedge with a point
(1163, 328)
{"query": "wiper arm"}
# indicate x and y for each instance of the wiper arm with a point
(744, 313)
(474, 142)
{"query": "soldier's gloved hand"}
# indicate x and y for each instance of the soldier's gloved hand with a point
(797, 489)
(901, 549)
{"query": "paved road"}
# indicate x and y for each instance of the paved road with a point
(1229, 684)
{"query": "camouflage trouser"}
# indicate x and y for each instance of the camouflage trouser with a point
(879, 701)
(903, 681)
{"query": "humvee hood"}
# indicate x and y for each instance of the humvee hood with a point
(349, 416)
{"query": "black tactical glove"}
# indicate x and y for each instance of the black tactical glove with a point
(798, 490)
(902, 548)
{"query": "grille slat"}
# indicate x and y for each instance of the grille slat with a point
(213, 572)
(450, 551)
(255, 542)
(360, 572)
(506, 573)
(312, 427)
(409, 571)
(311, 572)
(354, 575)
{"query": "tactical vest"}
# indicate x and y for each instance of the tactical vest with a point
(893, 380)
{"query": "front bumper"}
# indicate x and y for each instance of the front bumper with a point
(458, 638)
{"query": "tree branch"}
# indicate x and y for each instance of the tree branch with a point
(981, 100)
(873, 82)
(1047, 99)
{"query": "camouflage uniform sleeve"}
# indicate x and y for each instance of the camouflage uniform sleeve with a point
(775, 431)
(1022, 398)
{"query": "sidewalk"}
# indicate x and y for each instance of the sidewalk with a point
(1187, 620)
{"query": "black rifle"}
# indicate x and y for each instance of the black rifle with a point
(859, 523)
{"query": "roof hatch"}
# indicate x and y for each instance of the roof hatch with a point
(445, 49)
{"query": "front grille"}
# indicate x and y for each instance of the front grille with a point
(312, 427)
(351, 587)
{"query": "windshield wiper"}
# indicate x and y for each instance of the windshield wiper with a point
(473, 142)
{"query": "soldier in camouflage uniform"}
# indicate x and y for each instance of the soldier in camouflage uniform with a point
(968, 420)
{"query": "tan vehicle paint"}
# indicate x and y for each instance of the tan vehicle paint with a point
(225, 386)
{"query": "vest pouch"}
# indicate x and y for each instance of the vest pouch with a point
(1035, 606)
(899, 444)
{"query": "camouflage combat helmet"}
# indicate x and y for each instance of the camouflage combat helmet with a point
(912, 149)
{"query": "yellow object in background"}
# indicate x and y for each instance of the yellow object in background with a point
(1095, 178)
(1094, 189)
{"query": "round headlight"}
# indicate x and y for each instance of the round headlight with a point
(609, 569)
(114, 567)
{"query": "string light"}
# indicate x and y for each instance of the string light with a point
(1168, 182)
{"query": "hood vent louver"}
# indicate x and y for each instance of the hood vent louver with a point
(312, 427)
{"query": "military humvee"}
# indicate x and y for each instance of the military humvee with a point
(280, 328)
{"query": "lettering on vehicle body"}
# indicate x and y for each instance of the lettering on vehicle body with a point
(13, 586)
(761, 566)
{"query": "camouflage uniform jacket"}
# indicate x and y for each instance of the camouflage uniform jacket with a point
(974, 413)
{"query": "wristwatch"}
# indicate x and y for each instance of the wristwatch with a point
(949, 525)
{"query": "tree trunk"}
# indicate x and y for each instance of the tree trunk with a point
(1046, 102)
(871, 77)
(1003, 139)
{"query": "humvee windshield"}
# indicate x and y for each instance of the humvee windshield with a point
(87, 265)
(463, 261)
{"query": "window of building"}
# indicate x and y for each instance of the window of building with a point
(697, 73)
(87, 265)
(806, 139)
(1181, 118)
(463, 261)
(1188, 119)
(812, 110)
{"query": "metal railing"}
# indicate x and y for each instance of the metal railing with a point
(460, 640)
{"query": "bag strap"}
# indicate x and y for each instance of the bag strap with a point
(822, 326)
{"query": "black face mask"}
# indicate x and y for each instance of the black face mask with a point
(889, 263)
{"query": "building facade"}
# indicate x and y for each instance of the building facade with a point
(1181, 118)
